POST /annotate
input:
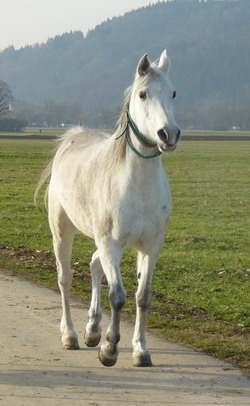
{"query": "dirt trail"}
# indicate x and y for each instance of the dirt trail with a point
(35, 370)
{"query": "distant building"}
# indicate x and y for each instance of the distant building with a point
(67, 124)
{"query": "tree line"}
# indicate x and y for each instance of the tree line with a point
(82, 78)
(17, 115)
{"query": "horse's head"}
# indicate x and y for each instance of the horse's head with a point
(151, 103)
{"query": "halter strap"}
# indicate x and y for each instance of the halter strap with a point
(144, 140)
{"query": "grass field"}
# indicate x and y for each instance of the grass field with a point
(232, 133)
(201, 286)
(34, 131)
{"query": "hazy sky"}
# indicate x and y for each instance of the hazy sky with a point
(26, 22)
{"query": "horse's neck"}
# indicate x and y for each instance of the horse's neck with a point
(143, 169)
(121, 159)
(145, 152)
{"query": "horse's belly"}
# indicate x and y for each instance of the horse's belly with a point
(78, 210)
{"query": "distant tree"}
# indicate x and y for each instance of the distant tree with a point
(8, 121)
(11, 124)
(6, 98)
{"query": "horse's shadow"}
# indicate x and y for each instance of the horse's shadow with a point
(105, 383)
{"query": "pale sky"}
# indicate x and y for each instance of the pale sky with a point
(26, 22)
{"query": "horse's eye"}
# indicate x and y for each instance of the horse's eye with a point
(143, 95)
(174, 94)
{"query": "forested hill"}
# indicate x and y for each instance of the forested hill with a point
(207, 41)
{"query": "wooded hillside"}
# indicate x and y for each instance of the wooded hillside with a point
(207, 41)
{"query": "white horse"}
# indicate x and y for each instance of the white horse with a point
(115, 191)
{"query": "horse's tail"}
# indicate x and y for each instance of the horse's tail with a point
(47, 171)
(45, 175)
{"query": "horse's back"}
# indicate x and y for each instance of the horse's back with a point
(77, 152)
(78, 139)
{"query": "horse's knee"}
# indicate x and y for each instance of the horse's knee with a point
(117, 297)
(64, 279)
(143, 299)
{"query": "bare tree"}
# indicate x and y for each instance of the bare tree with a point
(5, 98)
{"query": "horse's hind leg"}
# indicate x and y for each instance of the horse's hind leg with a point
(63, 234)
(93, 328)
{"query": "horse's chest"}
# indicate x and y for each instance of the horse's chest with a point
(148, 217)
(143, 220)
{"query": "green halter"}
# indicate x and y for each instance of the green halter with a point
(141, 137)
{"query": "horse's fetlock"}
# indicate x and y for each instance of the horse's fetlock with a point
(95, 316)
(144, 300)
(113, 340)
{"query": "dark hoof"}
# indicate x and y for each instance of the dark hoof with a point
(107, 362)
(142, 361)
(71, 344)
(91, 341)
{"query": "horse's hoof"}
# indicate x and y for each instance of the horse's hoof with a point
(107, 361)
(91, 341)
(71, 347)
(71, 343)
(143, 360)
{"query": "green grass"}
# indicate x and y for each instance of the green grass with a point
(232, 133)
(44, 131)
(36, 131)
(201, 286)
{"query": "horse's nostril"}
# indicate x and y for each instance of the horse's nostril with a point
(163, 135)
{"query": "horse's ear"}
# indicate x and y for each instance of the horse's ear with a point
(164, 61)
(143, 66)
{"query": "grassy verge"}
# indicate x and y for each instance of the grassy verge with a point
(202, 279)
(232, 133)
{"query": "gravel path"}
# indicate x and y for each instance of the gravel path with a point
(35, 370)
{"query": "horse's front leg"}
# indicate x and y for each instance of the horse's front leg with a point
(145, 266)
(93, 328)
(110, 259)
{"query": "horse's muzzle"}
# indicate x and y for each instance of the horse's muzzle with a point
(169, 138)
